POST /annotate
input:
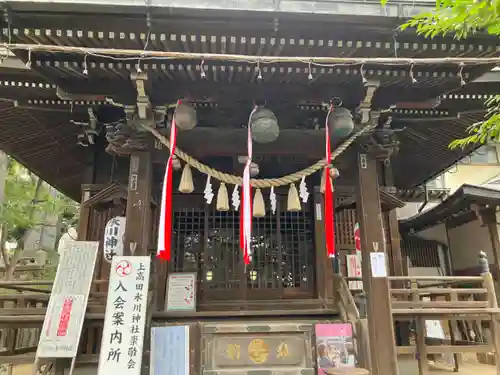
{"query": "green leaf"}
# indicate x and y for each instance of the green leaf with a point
(26, 201)
(459, 18)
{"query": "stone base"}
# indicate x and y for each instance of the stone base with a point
(487, 358)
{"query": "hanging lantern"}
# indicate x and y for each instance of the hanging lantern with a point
(185, 116)
(264, 126)
(341, 123)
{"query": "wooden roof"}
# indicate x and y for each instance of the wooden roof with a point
(44, 141)
(229, 89)
(424, 145)
(457, 207)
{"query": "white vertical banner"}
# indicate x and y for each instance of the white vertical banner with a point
(63, 322)
(114, 233)
(125, 319)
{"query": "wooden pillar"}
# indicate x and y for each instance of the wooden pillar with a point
(397, 267)
(84, 219)
(138, 204)
(490, 219)
(449, 258)
(396, 263)
(380, 322)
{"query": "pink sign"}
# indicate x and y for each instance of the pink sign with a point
(334, 346)
(62, 328)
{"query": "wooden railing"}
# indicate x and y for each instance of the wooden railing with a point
(465, 303)
(349, 312)
(348, 308)
(456, 299)
(470, 301)
(27, 267)
(23, 305)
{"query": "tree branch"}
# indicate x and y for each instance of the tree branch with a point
(3, 240)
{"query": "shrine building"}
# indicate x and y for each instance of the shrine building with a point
(89, 93)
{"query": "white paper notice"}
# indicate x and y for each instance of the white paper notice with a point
(434, 329)
(377, 263)
(181, 292)
(354, 270)
(169, 350)
(62, 327)
(319, 214)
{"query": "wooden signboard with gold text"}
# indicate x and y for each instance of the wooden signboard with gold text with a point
(241, 348)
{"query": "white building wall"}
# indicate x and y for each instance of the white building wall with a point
(436, 233)
(465, 243)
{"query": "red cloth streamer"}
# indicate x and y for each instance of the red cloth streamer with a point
(246, 201)
(165, 226)
(244, 242)
(328, 201)
(357, 237)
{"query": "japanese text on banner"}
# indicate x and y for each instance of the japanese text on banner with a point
(123, 334)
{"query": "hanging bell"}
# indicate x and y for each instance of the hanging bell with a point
(264, 124)
(254, 169)
(185, 116)
(176, 164)
(334, 173)
(340, 122)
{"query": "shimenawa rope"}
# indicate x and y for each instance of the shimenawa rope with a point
(257, 183)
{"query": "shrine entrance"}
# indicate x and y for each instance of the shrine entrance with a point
(206, 241)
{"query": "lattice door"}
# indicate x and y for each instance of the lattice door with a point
(206, 241)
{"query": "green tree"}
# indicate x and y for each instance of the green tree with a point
(27, 202)
(462, 18)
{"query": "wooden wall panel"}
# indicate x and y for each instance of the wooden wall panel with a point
(344, 228)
